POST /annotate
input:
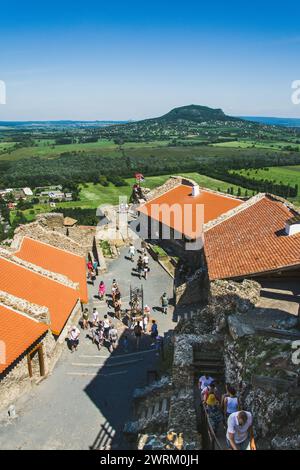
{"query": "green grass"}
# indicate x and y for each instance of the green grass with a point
(285, 174)
(94, 195)
(262, 144)
(46, 148)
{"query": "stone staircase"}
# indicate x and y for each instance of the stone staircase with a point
(210, 363)
(150, 414)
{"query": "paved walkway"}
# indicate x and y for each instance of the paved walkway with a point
(88, 398)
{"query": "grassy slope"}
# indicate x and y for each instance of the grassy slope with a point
(285, 174)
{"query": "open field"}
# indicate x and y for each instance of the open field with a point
(47, 148)
(261, 144)
(94, 195)
(283, 174)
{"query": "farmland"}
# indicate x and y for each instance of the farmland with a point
(289, 175)
(94, 195)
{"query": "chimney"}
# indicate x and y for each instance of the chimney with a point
(292, 226)
(195, 190)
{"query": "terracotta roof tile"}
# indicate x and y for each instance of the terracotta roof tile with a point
(40, 290)
(252, 241)
(18, 333)
(56, 260)
(214, 205)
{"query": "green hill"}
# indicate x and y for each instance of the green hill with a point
(195, 113)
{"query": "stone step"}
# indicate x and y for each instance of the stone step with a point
(165, 405)
(149, 412)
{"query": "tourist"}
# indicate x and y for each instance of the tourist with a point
(74, 334)
(95, 317)
(85, 319)
(131, 252)
(239, 434)
(117, 307)
(95, 267)
(164, 303)
(146, 265)
(204, 381)
(106, 326)
(213, 411)
(102, 290)
(114, 288)
(125, 343)
(208, 390)
(231, 402)
(145, 322)
(98, 335)
(140, 266)
(113, 338)
(90, 266)
(117, 295)
(154, 332)
(138, 333)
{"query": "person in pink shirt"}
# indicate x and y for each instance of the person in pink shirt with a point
(102, 290)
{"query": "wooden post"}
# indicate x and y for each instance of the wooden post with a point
(41, 360)
(29, 365)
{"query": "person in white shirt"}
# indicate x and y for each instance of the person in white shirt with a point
(95, 317)
(239, 434)
(131, 252)
(204, 381)
(74, 334)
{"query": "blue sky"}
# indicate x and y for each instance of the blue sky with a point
(131, 60)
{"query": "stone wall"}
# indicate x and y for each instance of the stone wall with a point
(32, 310)
(53, 237)
(169, 184)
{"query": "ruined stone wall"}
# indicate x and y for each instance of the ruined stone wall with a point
(32, 310)
(169, 184)
(53, 237)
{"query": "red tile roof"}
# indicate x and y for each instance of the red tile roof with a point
(33, 287)
(214, 205)
(17, 334)
(252, 241)
(56, 260)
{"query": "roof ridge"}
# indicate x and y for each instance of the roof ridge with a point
(52, 246)
(236, 210)
(55, 277)
(36, 312)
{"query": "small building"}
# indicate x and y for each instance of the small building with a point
(57, 195)
(27, 192)
(68, 197)
(69, 222)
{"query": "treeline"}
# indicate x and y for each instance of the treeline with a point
(72, 168)
(83, 216)
(258, 185)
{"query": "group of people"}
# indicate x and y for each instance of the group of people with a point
(142, 267)
(226, 408)
(92, 267)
